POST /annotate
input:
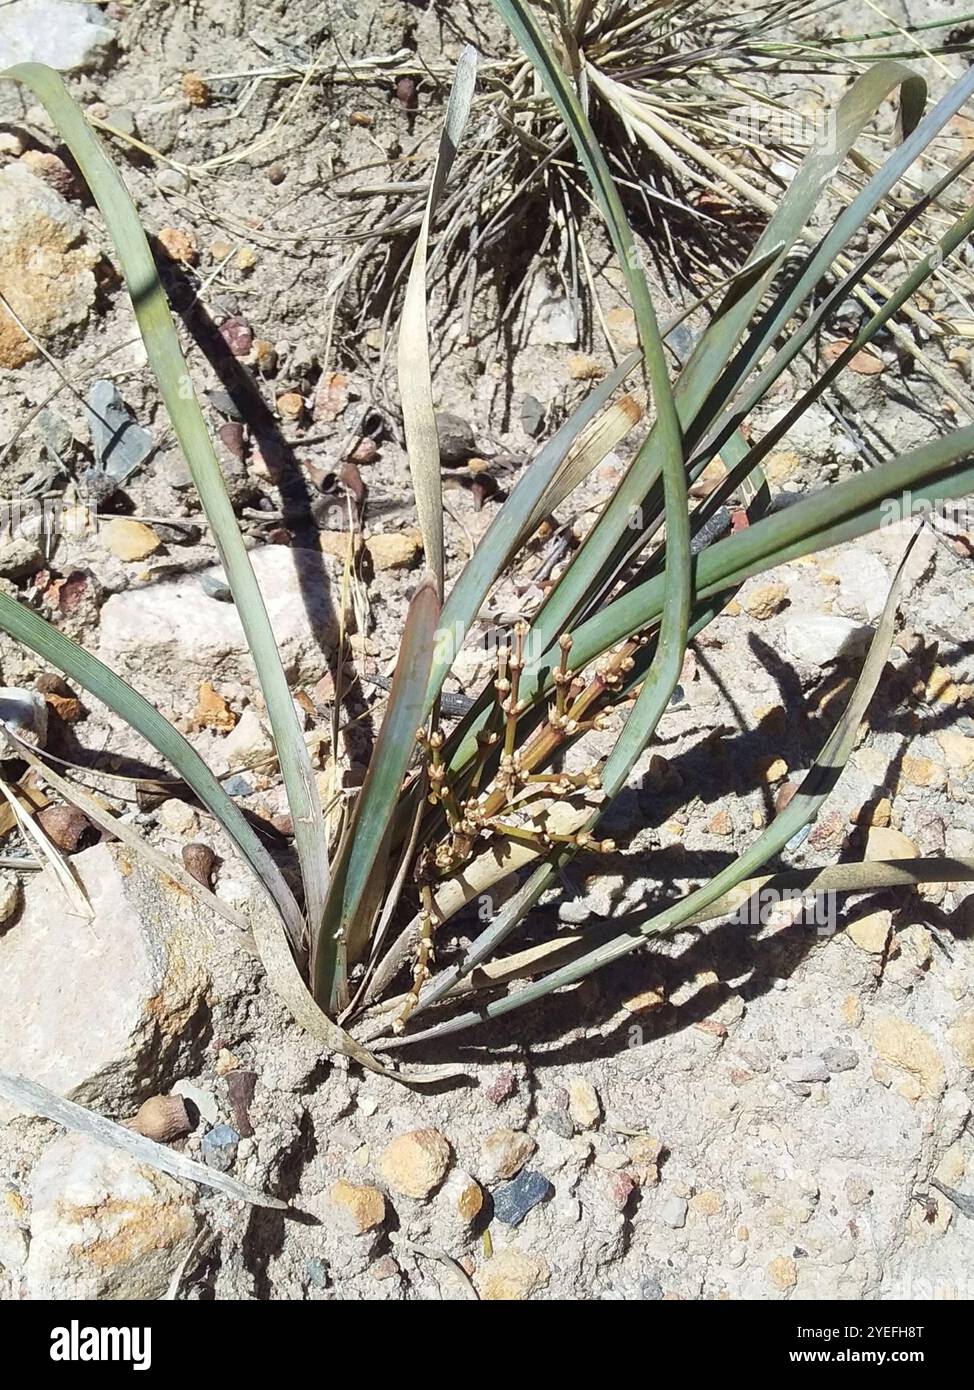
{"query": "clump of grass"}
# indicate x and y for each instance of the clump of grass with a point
(444, 816)
(690, 102)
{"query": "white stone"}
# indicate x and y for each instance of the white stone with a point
(551, 319)
(177, 817)
(804, 1069)
(673, 1212)
(9, 897)
(99, 1011)
(64, 35)
(24, 713)
(863, 582)
(205, 1101)
(176, 627)
(818, 639)
(104, 1225)
(245, 740)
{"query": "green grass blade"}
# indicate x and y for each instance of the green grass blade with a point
(668, 657)
(612, 542)
(665, 670)
(93, 676)
(360, 872)
(938, 471)
(175, 385)
(958, 234)
(415, 378)
(934, 472)
(506, 532)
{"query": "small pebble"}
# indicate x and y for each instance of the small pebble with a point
(200, 860)
(559, 1122)
(64, 826)
(196, 89)
(584, 1105)
(415, 1163)
(840, 1058)
(177, 817)
(216, 586)
(219, 1148)
(317, 1272)
(806, 1069)
(513, 1200)
(240, 1090)
(129, 540)
(504, 1152)
(455, 438)
(238, 336)
(179, 245)
(503, 1085)
(172, 181)
(673, 1212)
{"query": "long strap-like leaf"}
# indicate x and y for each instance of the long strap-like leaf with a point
(176, 387)
(359, 876)
(415, 379)
(99, 680)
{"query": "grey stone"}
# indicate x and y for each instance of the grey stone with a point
(19, 555)
(806, 1069)
(119, 442)
(216, 586)
(174, 470)
(219, 1147)
(103, 1225)
(238, 785)
(205, 1101)
(455, 438)
(532, 415)
(840, 1058)
(559, 1122)
(172, 181)
(103, 1011)
(60, 33)
(317, 1272)
(550, 315)
(513, 1200)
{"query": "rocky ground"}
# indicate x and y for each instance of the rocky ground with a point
(769, 1110)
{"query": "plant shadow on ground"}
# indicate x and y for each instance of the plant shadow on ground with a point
(298, 496)
(549, 1030)
(731, 949)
